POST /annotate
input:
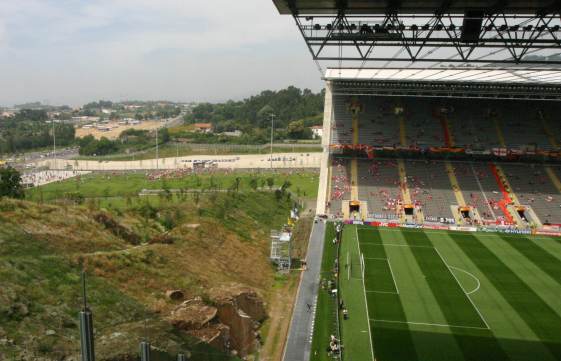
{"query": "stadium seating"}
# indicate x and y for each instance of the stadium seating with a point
(534, 188)
(378, 125)
(430, 188)
(340, 185)
(341, 128)
(378, 184)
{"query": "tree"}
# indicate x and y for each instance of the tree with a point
(10, 183)
(270, 182)
(253, 183)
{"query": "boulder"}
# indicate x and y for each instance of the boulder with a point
(192, 315)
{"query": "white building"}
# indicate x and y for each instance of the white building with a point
(317, 131)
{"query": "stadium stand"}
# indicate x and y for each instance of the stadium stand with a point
(470, 125)
(378, 184)
(341, 128)
(340, 186)
(534, 188)
(430, 188)
(378, 124)
(423, 129)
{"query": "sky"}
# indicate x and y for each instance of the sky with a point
(76, 51)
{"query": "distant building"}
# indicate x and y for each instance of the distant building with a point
(7, 114)
(317, 131)
(203, 127)
(235, 133)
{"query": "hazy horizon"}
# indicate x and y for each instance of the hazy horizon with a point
(63, 52)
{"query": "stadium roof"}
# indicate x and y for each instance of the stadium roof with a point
(316, 7)
(465, 75)
(492, 83)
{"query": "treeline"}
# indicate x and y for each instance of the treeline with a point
(130, 140)
(253, 115)
(28, 129)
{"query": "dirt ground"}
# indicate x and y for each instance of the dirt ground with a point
(282, 301)
(116, 129)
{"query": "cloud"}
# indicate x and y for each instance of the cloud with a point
(75, 51)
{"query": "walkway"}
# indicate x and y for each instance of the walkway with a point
(299, 342)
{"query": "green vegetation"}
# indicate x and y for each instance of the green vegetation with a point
(117, 188)
(10, 183)
(169, 150)
(325, 323)
(478, 296)
(134, 249)
(295, 110)
(29, 129)
(130, 140)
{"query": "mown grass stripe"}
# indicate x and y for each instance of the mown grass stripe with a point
(544, 260)
(392, 341)
(537, 314)
(475, 344)
(451, 298)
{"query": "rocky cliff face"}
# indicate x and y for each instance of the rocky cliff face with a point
(231, 323)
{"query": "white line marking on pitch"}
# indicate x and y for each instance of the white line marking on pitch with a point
(388, 292)
(376, 258)
(393, 245)
(365, 301)
(469, 274)
(432, 324)
(459, 284)
(393, 277)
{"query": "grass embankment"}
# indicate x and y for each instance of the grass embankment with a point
(325, 323)
(132, 259)
(118, 189)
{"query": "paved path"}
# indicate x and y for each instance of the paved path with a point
(242, 161)
(299, 343)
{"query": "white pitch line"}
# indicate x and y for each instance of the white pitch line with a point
(393, 277)
(432, 324)
(376, 258)
(365, 301)
(459, 284)
(386, 292)
(471, 275)
(394, 245)
(447, 232)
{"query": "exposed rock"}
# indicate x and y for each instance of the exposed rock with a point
(241, 309)
(192, 315)
(216, 335)
(175, 295)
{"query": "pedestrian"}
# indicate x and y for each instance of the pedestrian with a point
(309, 307)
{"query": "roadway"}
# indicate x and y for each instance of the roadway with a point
(299, 342)
(245, 161)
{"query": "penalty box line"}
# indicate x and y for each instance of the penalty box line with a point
(391, 272)
(463, 290)
(430, 324)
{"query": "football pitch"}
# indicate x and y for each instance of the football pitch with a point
(438, 295)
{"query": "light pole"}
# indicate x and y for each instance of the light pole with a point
(157, 154)
(272, 127)
(54, 144)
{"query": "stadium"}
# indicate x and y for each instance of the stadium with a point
(440, 186)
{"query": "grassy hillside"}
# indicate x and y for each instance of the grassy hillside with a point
(130, 184)
(132, 255)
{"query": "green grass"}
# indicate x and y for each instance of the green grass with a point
(437, 295)
(326, 308)
(129, 185)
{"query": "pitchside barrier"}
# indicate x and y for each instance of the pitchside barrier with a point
(497, 229)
